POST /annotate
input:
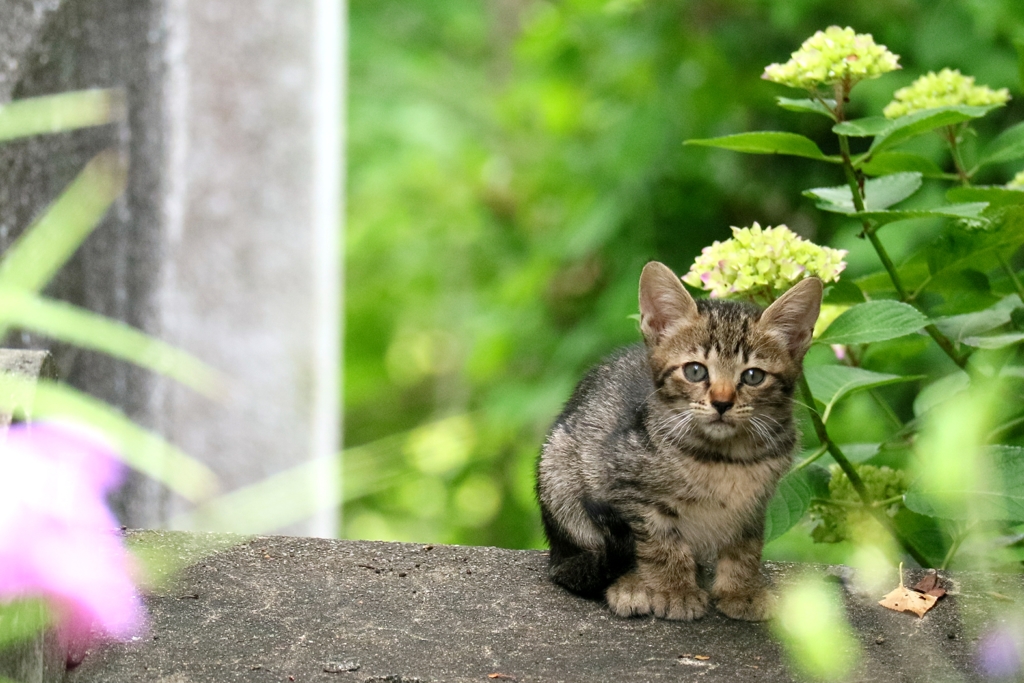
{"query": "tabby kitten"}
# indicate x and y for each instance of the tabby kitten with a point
(666, 455)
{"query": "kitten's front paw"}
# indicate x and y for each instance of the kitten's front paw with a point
(632, 597)
(680, 605)
(628, 597)
(756, 606)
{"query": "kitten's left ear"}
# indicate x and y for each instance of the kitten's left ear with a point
(793, 315)
(664, 302)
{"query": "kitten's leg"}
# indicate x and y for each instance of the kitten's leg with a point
(664, 583)
(739, 587)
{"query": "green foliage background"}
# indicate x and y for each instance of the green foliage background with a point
(512, 166)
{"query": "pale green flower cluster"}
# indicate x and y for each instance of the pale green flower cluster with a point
(1017, 183)
(947, 88)
(832, 56)
(755, 259)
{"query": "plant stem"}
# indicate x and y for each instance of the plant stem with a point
(1001, 429)
(851, 175)
(1012, 275)
(851, 473)
(947, 346)
(822, 450)
(869, 231)
(889, 501)
(955, 546)
(830, 445)
(954, 149)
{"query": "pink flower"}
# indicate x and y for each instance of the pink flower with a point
(999, 652)
(58, 540)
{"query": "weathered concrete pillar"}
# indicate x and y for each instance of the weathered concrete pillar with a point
(250, 279)
(226, 242)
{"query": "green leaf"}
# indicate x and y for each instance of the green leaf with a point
(854, 452)
(1009, 145)
(913, 272)
(810, 106)
(885, 163)
(89, 330)
(879, 193)
(995, 195)
(926, 534)
(142, 450)
(956, 250)
(995, 341)
(959, 327)
(859, 452)
(48, 243)
(1018, 44)
(940, 391)
(862, 128)
(843, 292)
(268, 505)
(831, 383)
(22, 619)
(56, 113)
(873, 321)
(790, 503)
(999, 496)
(920, 122)
(767, 142)
(974, 211)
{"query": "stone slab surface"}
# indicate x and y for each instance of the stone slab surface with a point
(283, 609)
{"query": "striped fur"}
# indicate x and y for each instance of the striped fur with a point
(647, 475)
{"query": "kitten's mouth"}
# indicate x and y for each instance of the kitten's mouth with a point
(718, 428)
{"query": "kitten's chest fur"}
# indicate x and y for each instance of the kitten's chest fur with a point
(707, 504)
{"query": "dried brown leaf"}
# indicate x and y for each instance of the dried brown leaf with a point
(930, 585)
(903, 599)
(930, 581)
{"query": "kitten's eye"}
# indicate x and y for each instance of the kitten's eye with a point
(752, 376)
(695, 372)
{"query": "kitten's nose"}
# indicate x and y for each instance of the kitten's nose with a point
(722, 406)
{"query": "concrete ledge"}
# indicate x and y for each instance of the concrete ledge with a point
(282, 609)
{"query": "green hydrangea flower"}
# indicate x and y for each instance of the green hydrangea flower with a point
(947, 88)
(1017, 183)
(755, 259)
(835, 55)
(835, 523)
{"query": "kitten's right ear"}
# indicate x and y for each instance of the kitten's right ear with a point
(793, 315)
(664, 302)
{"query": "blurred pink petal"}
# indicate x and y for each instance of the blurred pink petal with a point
(999, 653)
(57, 538)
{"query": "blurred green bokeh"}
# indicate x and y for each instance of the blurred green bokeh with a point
(512, 166)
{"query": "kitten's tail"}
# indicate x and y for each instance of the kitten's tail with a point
(590, 572)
